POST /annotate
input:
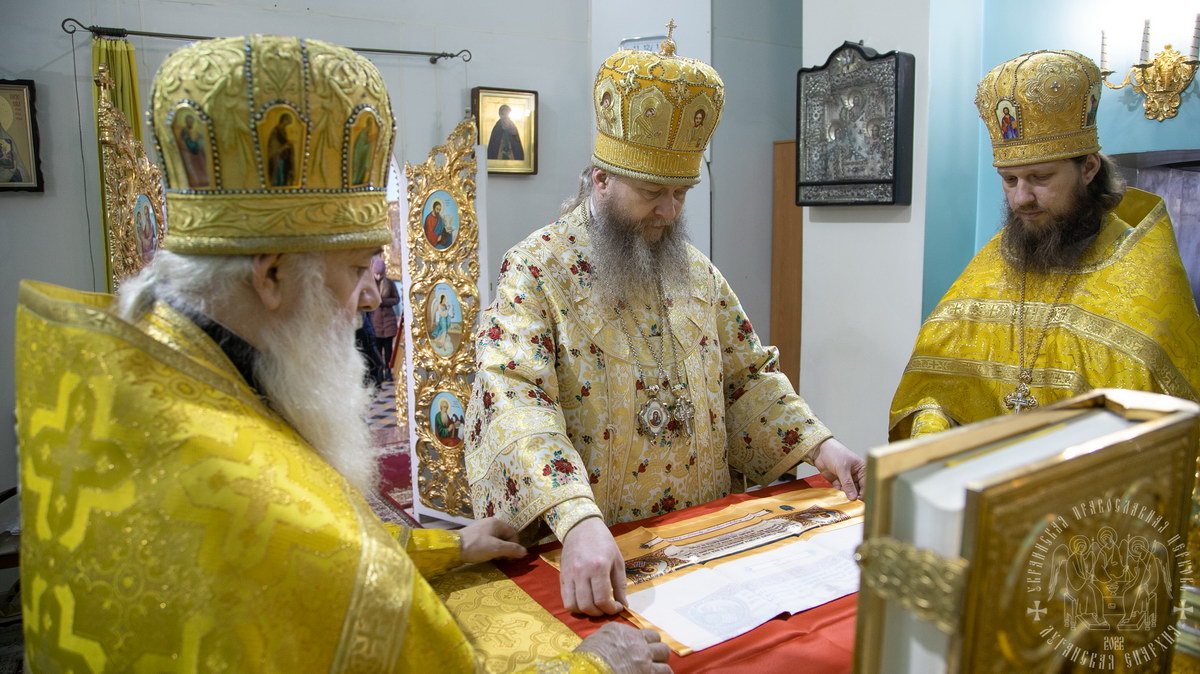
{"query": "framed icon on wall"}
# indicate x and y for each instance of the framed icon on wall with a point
(854, 129)
(508, 127)
(20, 156)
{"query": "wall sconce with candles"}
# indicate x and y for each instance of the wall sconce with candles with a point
(1162, 80)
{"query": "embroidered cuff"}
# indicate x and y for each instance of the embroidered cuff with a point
(575, 662)
(811, 456)
(805, 449)
(567, 514)
(929, 421)
(435, 551)
(589, 662)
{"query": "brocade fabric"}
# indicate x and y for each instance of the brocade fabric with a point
(172, 522)
(1126, 320)
(552, 426)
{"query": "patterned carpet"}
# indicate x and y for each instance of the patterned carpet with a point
(395, 468)
(382, 416)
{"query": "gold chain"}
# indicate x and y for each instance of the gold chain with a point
(667, 303)
(668, 335)
(1025, 374)
(684, 410)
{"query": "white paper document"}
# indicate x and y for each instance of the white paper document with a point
(711, 605)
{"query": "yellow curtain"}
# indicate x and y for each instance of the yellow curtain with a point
(122, 68)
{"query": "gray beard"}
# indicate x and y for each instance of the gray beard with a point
(313, 376)
(629, 267)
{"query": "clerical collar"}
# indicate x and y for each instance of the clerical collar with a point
(239, 352)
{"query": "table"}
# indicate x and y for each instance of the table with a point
(818, 640)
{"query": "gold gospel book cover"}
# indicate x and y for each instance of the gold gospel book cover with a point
(1050, 540)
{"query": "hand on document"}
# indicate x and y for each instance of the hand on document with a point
(628, 649)
(592, 572)
(843, 468)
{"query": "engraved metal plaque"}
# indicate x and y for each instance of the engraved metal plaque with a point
(854, 129)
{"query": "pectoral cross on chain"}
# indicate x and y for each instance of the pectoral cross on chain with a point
(1020, 399)
(685, 410)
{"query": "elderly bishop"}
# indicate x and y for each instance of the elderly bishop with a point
(194, 454)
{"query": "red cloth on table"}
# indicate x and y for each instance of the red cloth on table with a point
(818, 640)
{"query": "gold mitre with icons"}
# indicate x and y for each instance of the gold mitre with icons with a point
(272, 145)
(655, 112)
(1041, 106)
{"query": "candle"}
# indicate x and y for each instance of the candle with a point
(1103, 51)
(1195, 53)
(1145, 57)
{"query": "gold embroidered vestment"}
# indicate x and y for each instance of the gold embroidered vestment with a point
(1127, 320)
(551, 427)
(174, 523)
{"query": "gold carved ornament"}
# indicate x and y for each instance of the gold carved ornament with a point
(1161, 81)
(133, 191)
(445, 365)
(1005, 627)
(922, 581)
(1017, 634)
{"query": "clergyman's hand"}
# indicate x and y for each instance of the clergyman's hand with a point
(843, 468)
(592, 572)
(628, 650)
(488, 539)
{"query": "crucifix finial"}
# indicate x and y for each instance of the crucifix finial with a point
(102, 78)
(667, 48)
(105, 82)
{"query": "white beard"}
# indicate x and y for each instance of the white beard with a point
(313, 376)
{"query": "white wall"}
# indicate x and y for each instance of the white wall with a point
(533, 44)
(756, 49)
(862, 265)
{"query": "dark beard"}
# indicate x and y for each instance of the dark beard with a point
(627, 265)
(1056, 246)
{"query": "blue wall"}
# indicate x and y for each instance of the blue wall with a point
(955, 34)
(970, 37)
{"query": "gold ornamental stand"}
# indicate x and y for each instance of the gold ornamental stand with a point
(441, 281)
(133, 191)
